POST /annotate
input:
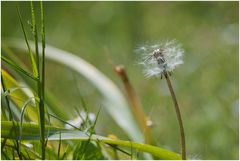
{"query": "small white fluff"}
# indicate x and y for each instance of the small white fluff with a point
(28, 145)
(78, 121)
(160, 58)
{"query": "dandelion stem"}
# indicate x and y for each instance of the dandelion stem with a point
(178, 116)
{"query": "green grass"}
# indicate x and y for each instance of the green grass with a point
(206, 85)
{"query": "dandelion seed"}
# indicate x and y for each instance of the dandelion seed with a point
(161, 58)
(78, 121)
(28, 145)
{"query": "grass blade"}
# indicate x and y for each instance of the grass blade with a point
(43, 49)
(35, 34)
(10, 82)
(59, 145)
(34, 66)
(18, 68)
(9, 91)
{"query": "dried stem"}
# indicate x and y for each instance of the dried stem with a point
(183, 144)
(135, 103)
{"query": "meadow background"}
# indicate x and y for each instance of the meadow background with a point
(206, 85)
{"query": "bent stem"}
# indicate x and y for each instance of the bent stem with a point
(177, 109)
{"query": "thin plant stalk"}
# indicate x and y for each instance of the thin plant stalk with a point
(43, 59)
(43, 49)
(134, 103)
(39, 84)
(35, 34)
(177, 109)
(33, 62)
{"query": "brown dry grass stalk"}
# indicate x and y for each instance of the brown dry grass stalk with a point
(134, 103)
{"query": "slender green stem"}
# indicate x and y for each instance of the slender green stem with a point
(59, 146)
(39, 85)
(183, 144)
(35, 34)
(43, 57)
(34, 66)
(43, 49)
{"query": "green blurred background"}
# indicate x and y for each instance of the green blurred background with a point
(206, 85)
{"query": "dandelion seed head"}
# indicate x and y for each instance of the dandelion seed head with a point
(160, 58)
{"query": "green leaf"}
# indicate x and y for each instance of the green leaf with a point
(19, 97)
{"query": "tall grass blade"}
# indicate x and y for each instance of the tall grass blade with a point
(43, 49)
(35, 34)
(34, 66)
(39, 84)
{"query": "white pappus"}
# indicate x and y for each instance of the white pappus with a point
(160, 58)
